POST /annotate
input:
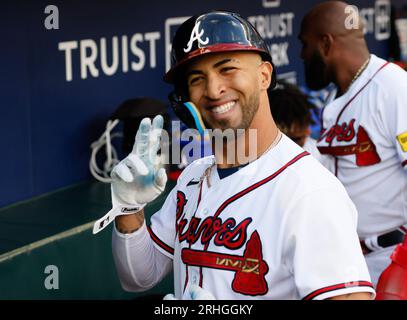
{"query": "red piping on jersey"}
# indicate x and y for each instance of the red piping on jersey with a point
(357, 93)
(249, 189)
(159, 242)
(318, 292)
(200, 277)
(404, 163)
(351, 99)
(186, 265)
(258, 184)
(346, 105)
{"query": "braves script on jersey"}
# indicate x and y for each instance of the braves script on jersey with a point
(282, 227)
(365, 132)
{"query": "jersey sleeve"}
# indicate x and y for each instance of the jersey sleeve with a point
(394, 113)
(322, 247)
(162, 227)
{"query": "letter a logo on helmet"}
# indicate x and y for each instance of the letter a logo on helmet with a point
(215, 31)
(196, 35)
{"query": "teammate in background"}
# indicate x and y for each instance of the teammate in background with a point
(291, 111)
(364, 128)
(278, 227)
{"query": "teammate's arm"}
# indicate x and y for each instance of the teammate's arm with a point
(392, 108)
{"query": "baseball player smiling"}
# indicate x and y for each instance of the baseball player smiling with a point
(280, 226)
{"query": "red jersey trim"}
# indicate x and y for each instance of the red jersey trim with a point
(249, 189)
(160, 243)
(404, 163)
(260, 183)
(256, 185)
(351, 99)
(318, 292)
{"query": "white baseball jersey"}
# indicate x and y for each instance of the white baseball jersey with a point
(365, 133)
(310, 145)
(282, 227)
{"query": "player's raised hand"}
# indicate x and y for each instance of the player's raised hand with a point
(138, 179)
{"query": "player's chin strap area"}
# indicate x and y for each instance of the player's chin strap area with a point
(103, 222)
(187, 112)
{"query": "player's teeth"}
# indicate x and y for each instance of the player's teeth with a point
(224, 107)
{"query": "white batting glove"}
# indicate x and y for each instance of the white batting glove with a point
(170, 296)
(197, 293)
(194, 292)
(137, 179)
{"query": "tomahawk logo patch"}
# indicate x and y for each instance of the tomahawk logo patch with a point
(250, 269)
(196, 36)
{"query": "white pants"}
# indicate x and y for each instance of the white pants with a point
(377, 262)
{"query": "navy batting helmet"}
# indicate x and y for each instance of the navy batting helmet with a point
(215, 31)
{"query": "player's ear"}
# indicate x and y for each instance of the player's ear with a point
(265, 73)
(326, 43)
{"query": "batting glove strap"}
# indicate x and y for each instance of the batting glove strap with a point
(103, 222)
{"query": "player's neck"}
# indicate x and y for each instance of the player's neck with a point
(345, 77)
(252, 144)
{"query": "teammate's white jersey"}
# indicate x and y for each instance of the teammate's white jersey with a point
(282, 227)
(310, 145)
(365, 133)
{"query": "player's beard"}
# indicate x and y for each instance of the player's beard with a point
(315, 72)
(248, 110)
(230, 133)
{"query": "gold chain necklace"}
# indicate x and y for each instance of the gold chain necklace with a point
(361, 69)
(208, 170)
(272, 145)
